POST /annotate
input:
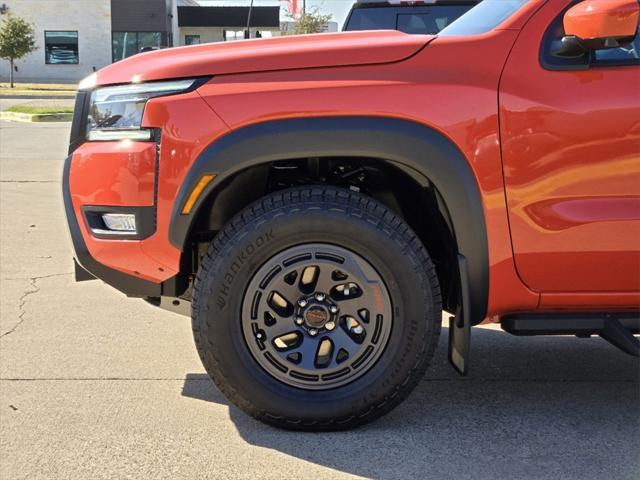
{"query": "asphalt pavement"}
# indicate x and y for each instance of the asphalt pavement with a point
(96, 385)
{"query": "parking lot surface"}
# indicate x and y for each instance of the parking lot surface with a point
(97, 385)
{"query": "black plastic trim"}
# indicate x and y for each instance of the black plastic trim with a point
(560, 323)
(78, 123)
(460, 326)
(81, 275)
(405, 143)
(130, 285)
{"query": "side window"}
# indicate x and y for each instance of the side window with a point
(629, 54)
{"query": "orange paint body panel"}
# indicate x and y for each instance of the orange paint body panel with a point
(614, 18)
(571, 152)
(555, 154)
(278, 53)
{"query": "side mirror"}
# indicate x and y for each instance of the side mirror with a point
(597, 24)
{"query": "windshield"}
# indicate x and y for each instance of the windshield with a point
(483, 17)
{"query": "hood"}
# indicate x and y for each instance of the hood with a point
(279, 53)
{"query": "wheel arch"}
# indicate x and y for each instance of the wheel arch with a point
(427, 156)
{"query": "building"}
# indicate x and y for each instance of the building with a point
(139, 25)
(204, 24)
(77, 37)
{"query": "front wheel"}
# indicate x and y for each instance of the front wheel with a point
(316, 308)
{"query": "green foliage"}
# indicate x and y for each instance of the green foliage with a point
(16, 38)
(312, 21)
(39, 110)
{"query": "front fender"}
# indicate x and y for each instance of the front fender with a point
(405, 143)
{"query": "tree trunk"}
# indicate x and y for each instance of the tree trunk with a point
(11, 73)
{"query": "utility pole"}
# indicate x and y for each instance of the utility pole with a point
(248, 30)
(304, 7)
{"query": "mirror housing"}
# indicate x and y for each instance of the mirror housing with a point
(598, 24)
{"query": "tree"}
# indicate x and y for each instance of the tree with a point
(311, 21)
(16, 40)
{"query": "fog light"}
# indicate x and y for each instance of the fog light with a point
(120, 222)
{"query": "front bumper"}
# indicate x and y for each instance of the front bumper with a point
(142, 178)
(129, 284)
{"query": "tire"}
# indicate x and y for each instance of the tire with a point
(326, 224)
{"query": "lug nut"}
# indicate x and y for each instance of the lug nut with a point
(333, 309)
(320, 297)
(259, 336)
(330, 325)
(313, 332)
(299, 320)
(302, 303)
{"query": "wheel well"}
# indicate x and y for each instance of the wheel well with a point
(406, 192)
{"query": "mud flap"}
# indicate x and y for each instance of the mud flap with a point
(460, 324)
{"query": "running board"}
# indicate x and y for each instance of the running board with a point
(616, 328)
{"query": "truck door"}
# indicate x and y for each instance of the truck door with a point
(570, 131)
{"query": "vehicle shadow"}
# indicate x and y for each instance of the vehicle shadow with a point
(555, 407)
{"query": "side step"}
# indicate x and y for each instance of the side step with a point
(616, 328)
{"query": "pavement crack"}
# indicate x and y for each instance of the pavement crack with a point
(39, 277)
(32, 289)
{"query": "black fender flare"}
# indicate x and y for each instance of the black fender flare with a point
(409, 145)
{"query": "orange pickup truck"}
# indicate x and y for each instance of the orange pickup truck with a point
(318, 201)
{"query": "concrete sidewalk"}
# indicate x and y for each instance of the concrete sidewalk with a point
(96, 385)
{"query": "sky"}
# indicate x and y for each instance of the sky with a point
(337, 8)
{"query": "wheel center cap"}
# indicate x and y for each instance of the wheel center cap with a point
(316, 316)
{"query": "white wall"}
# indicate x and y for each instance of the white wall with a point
(92, 20)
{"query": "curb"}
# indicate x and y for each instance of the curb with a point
(36, 117)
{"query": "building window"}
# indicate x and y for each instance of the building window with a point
(125, 44)
(61, 48)
(231, 35)
(192, 39)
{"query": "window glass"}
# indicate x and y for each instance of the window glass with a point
(149, 40)
(372, 19)
(429, 23)
(484, 17)
(61, 47)
(231, 35)
(192, 39)
(125, 44)
(627, 54)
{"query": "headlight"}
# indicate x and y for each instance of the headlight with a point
(115, 113)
